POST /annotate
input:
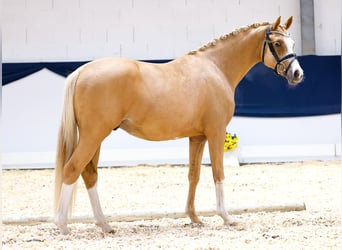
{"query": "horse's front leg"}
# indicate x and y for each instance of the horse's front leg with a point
(196, 146)
(216, 144)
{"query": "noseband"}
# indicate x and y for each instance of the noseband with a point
(279, 61)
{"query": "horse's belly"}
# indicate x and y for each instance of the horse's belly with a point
(157, 131)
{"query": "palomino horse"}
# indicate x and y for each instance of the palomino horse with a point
(191, 96)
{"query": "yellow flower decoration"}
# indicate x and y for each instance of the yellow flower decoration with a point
(230, 142)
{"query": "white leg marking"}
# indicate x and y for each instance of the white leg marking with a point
(97, 210)
(61, 217)
(220, 205)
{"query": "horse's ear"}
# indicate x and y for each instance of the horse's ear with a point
(276, 23)
(288, 22)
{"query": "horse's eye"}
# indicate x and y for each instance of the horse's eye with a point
(277, 44)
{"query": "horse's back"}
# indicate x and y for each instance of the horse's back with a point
(105, 69)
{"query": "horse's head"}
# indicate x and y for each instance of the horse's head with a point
(278, 52)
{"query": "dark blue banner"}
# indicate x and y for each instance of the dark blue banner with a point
(263, 94)
(260, 94)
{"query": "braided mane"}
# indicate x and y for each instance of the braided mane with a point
(226, 36)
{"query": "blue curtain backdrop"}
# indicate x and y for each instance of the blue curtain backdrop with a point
(260, 94)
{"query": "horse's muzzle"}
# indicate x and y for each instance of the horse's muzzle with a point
(295, 74)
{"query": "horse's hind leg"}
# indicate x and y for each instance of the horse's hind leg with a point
(196, 146)
(61, 216)
(82, 155)
(90, 176)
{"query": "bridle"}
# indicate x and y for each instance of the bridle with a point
(280, 61)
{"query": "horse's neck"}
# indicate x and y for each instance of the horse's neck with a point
(236, 55)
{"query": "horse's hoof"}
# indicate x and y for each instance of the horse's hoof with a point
(195, 220)
(106, 228)
(232, 222)
(62, 228)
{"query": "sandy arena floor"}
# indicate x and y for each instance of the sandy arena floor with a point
(28, 193)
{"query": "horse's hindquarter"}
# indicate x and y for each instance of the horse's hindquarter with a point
(155, 101)
(104, 92)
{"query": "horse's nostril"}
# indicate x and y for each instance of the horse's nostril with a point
(297, 74)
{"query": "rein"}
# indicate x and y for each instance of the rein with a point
(279, 61)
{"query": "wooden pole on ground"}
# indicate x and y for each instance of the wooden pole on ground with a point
(153, 215)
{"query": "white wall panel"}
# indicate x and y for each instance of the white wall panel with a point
(31, 110)
(49, 30)
(328, 27)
